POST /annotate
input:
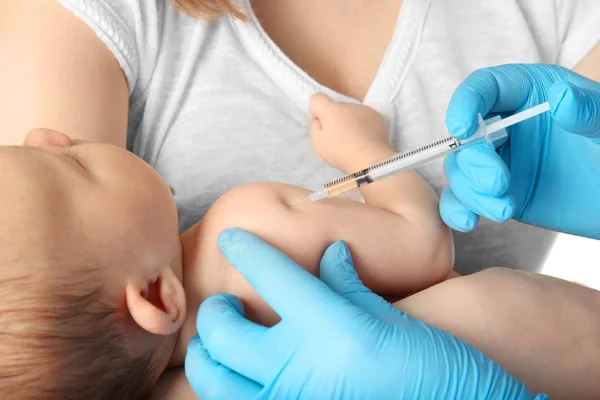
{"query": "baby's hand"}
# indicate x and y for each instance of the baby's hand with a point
(346, 135)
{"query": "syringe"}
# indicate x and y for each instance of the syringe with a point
(489, 131)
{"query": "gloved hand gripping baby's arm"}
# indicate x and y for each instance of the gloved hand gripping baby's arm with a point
(336, 340)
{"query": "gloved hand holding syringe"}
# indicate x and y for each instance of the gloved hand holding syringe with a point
(489, 131)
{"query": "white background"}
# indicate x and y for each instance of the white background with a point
(575, 259)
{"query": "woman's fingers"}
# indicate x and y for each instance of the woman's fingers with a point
(231, 339)
(576, 109)
(337, 271)
(496, 208)
(455, 214)
(212, 380)
(281, 282)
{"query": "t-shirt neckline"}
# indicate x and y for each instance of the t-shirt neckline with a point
(397, 60)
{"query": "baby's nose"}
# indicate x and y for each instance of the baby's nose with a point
(42, 137)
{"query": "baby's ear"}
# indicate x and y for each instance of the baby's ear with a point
(158, 306)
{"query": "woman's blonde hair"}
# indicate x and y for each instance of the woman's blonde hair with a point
(209, 8)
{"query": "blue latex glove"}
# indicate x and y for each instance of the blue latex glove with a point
(336, 340)
(548, 172)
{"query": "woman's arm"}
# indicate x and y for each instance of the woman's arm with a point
(590, 65)
(542, 330)
(55, 73)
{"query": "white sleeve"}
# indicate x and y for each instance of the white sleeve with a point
(578, 29)
(129, 28)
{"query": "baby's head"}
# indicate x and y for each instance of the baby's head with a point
(90, 271)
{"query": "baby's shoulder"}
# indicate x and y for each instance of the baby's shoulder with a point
(259, 197)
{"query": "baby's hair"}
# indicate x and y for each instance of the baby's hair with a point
(209, 8)
(58, 339)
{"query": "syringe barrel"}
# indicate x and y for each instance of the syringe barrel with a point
(343, 185)
(411, 161)
(490, 130)
(440, 149)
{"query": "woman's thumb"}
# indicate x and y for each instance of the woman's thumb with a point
(337, 271)
(576, 109)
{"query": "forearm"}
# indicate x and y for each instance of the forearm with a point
(426, 241)
(406, 194)
(590, 65)
(542, 330)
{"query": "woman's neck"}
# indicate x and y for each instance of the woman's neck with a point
(321, 37)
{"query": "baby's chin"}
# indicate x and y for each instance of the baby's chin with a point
(188, 329)
(167, 352)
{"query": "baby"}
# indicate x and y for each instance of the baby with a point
(92, 278)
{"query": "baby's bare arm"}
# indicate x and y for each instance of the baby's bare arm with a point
(536, 327)
(387, 254)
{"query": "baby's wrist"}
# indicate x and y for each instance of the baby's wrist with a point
(367, 157)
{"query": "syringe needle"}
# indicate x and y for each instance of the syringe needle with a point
(298, 202)
(314, 196)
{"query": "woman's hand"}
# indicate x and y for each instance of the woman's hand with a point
(336, 339)
(548, 171)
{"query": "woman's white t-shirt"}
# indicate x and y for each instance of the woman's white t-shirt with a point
(216, 104)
